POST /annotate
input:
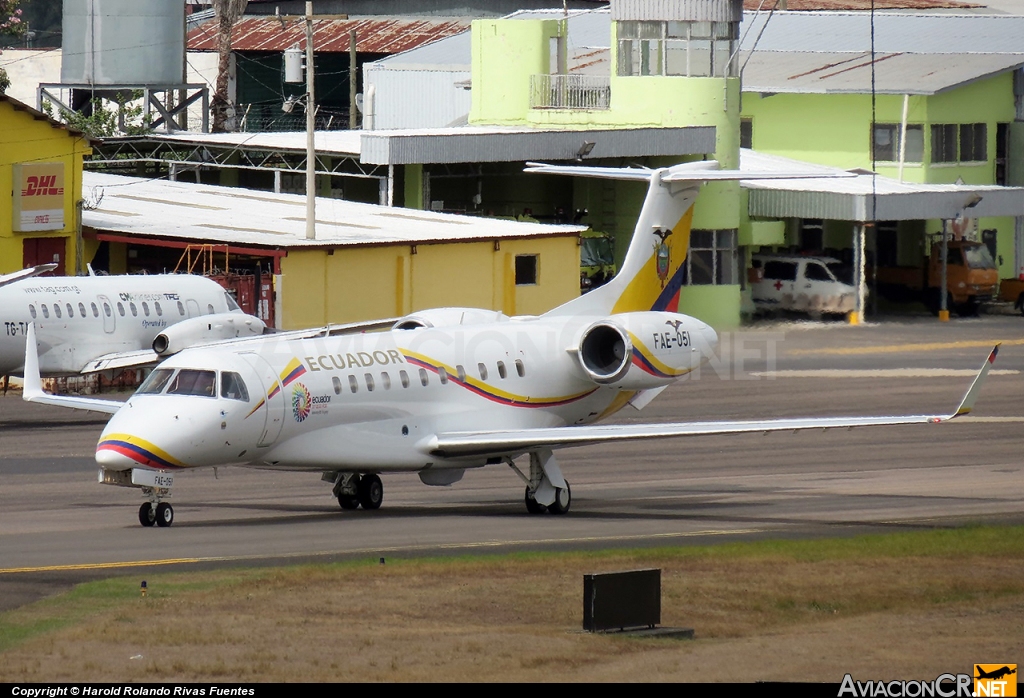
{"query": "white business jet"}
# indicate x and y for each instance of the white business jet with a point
(442, 390)
(92, 323)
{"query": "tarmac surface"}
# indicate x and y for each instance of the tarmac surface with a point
(59, 527)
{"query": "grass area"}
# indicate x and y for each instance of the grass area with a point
(760, 610)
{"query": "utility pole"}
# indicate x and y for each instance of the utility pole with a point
(310, 129)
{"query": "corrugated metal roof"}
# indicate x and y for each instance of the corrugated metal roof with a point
(201, 212)
(342, 143)
(806, 5)
(495, 144)
(865, 197)
(373, 34)
(683, 10)
(895, 73)
(895, 32)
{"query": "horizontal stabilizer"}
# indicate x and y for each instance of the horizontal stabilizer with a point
(481, 443)
(13, 277)
(700, 171)
(33, 390)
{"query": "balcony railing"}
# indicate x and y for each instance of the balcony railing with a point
(570, 92)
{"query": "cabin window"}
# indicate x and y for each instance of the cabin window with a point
(81, 309)
(181, 309)
(32, 311)
(159, 310)
(385, 380)
(95, 310)
(424, 379)
(71, 311)
(135, 311)
(369, 381)
(120, 308)
(337, 385)
(107, 310)
(501, 369)
(193, 382)
(46, 311)
(482, 369)
(145, 309)
(232, 387)
(156, 381)
(443, 375)
(405, 378)
(462, 373)
(353, 384)
(56, 309)
(520, 369)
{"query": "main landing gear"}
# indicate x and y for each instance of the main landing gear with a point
(354, 490)
(546, 489)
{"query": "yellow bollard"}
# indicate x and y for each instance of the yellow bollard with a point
(853, 318)
(943, 316)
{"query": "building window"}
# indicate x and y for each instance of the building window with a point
(973, 143)
(886, 143)
(693, 49)
(959, 143)
(746, 133)
(713, 258)
(526, 269)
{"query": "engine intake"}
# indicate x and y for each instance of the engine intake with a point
(605, 353)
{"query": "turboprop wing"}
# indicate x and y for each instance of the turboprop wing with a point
(500, 442)
(13, 277)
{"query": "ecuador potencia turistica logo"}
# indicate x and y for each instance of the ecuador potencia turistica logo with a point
(302, 402)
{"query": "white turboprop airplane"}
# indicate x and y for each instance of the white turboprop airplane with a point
(442, 390)
(92, 323)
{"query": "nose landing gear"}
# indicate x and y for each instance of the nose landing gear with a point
(162, 514)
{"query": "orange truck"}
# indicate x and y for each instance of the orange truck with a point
(971, 278)
(1012, 291)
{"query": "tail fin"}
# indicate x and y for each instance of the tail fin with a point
(653, 270)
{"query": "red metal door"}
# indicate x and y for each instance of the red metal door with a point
(45, 251)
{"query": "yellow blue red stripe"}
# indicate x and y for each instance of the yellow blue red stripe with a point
(489, 392)
(141, 451)
(293, 370)
(645, 360)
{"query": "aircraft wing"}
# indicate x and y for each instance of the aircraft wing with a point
(123, 359)
(33, 390)
(26, 273)
(699, 171)
(501, 442)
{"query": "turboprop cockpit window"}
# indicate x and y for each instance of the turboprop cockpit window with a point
(192, 382)
(156, 381)
(232, 305)
(232, 387)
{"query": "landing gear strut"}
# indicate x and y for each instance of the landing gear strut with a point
(354, 490)
(546, 489)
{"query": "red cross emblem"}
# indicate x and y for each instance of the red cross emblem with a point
(777, 285)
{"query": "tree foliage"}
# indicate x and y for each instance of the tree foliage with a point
(124, 116)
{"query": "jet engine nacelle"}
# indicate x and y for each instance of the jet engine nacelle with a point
(205, 329)
(639, 351)
(449, 317)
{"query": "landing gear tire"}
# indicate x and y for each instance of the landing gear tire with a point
(164, 514)
(348, 501)
(371, 491)
(147, 516)
(531, 504)
(563, 498)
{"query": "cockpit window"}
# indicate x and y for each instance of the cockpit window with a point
(232, 305)
(232, 387)
(192, 382)
(156, 381)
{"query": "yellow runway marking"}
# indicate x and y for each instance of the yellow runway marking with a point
(924, 346)
(376, 551)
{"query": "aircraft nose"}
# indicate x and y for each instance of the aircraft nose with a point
(121, 451)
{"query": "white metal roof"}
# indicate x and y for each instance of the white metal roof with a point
(206, 213)
(866, 197)
(895, 73)
(327, 142)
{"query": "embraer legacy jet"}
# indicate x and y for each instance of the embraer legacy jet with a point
(443, 390)
(91, 323)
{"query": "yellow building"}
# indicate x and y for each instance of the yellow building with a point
(40, 187)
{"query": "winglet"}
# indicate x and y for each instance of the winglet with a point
(33, 384)
(972, 393)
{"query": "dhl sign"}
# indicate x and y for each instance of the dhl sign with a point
(38, 196)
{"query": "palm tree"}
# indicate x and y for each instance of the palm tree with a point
(227, 12)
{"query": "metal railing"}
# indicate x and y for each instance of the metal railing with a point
(570, 92)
